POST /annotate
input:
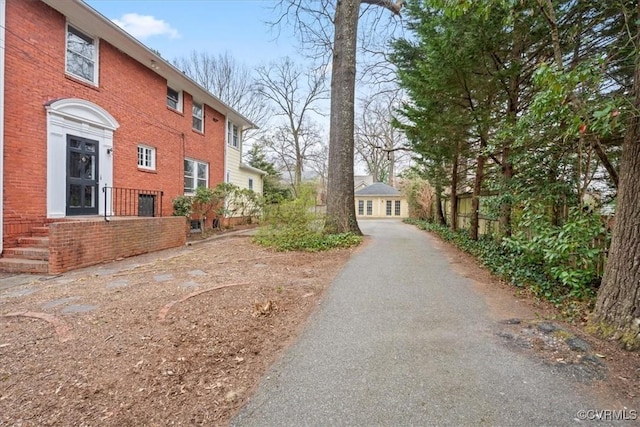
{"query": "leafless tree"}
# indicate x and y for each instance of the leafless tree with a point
(229, 80)
(378, 144)
(295, 95)
(331, 27)
(318, 163)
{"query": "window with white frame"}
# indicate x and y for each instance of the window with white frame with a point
(82, 55)
(174, 99)
(196, 174)
(251, 184)
(369, 207)
(360, 207)
(397, 208)
(233, 135)
(146, 157)
(198, 117)
(388, 212)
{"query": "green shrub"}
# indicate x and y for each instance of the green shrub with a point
(294, 226)
(182, 206)
(558, 264)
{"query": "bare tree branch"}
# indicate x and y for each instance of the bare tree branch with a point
(294, 94)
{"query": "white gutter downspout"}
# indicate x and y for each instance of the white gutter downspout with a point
(3, 6)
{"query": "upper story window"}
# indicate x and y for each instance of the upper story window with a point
(196, 174)
(198, 117)
(251, 184)
(82, 55)
(146, 157)
(233, 135)
(174, 99)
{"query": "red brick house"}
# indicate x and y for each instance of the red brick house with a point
(97, 135)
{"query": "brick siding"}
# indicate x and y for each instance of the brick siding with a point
(75, 244)
(132, 93)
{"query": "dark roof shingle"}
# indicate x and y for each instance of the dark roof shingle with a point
(378, 189)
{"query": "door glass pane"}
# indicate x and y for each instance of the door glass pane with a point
(74, 143)
(89, 166)
(89, 197)
(90, 147)
(75, 192)
(75, 165)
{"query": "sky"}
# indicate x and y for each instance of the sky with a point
(176, 27)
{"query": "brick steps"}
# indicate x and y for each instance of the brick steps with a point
(18, 265)
(40, 231)
(31, 255)
(36, 242)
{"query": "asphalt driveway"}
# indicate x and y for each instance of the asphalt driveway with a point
(401, 340)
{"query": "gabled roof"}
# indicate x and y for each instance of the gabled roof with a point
(97, 25)
(378, 189)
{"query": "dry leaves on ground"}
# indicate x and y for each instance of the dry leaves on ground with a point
(177, 340)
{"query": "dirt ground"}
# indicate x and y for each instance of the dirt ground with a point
(177, 341)
(184, 339)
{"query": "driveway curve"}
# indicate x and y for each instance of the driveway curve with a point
(400, 340)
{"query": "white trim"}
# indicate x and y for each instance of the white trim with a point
(193, 116)
(96, 56)
(195, 174)
(179, 107)
(229, 137)
(86, 120)
(79, 109)
(2, 54)
(252, 169)
(152, 151)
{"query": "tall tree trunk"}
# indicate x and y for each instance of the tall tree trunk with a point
(618, 303)
(477, 188)
(392, 168)
(504, 222)
(513, 110)
(298, 173)
(454, 189)
(341, 213)
(439, 212)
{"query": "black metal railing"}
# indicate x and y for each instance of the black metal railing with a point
(120, 201)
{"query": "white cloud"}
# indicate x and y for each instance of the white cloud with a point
(144, 26)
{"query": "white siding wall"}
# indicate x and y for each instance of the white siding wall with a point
(238, 176)
(379, 207)
(233, 167)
